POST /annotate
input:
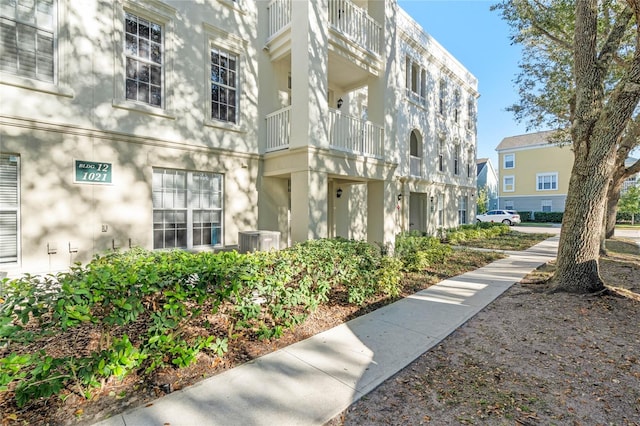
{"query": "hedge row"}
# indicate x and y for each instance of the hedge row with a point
(556, 217)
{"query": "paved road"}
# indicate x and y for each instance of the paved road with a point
(633, 234)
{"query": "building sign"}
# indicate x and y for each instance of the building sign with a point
(92, 172)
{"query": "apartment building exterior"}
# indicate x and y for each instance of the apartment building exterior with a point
(173, 124)
(534, 173)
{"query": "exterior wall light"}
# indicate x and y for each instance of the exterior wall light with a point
(339, 193)
(340, 102)
(399, 197)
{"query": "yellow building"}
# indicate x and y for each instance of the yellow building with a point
(183, 124)
(533, 173)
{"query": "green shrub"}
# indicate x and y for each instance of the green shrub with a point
(526, 216)
(165, 292)
(548, 217)
(417, 252)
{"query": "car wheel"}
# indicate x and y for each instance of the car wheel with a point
(507, 222)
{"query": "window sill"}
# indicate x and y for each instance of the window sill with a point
(145, 109)
(225, 126)
(231, 4)
(40, 86)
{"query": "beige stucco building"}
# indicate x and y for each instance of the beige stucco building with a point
(167, 124)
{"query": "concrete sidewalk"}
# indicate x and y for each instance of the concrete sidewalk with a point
(310, 382)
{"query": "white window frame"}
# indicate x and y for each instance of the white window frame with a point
(512, 185)
(159, 13)
(540, 177)
(155, 80)
(59, 86)
(471, 116)
(442, 96)
(456, 159)
(230, 86)
(462, 210)
(508, 205)
(505, 161)
(440, 210)
(441, 154)
(216, 38)
(40, 27)
(12, 208)
(546, 203)
(456, 106)
(189, 207)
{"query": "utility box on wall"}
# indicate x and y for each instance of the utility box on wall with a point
(258, 241)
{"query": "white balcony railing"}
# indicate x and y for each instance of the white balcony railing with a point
(344, 16)
(346, 133)
(279, 129)
(353, 21)
(279, 13)
(351, 134)
(415, 165)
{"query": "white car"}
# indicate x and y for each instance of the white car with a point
(508, 217)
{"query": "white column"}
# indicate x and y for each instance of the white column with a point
(309, 73)
(309, 192)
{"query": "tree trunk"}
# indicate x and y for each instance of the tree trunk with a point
(579, 249)
(596, 131)
(613, 197)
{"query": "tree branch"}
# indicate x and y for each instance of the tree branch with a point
(615, 37)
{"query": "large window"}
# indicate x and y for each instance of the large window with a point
(509, 184)
(440, 210)
(442, 96)
(471, 114)
(224, 86)
(27, 38)
(546, 205)
(462, 210)
(456, 106)
(547, 182)
(509, 161)
(187, 209)
(456, 160)
(144, 60)
(9, 208)
(416, 81)
(415, 154)
(441, 151)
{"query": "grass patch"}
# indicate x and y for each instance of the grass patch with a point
(514, 240)
(623, 246)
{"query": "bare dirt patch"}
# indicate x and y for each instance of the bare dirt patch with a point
(529, 358)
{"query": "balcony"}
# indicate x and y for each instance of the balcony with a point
(345, 17)
(279, 15)
(346, 133)
(356, 24)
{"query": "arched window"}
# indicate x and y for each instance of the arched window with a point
(415, 153)
(415, 144)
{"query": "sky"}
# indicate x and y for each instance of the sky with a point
(479, 39)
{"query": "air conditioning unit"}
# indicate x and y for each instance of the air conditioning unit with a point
(258, 241)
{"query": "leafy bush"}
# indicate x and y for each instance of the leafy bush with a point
(417, 252)
(480, 230)
(525, 216)
(548, 217)
(164, 293)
